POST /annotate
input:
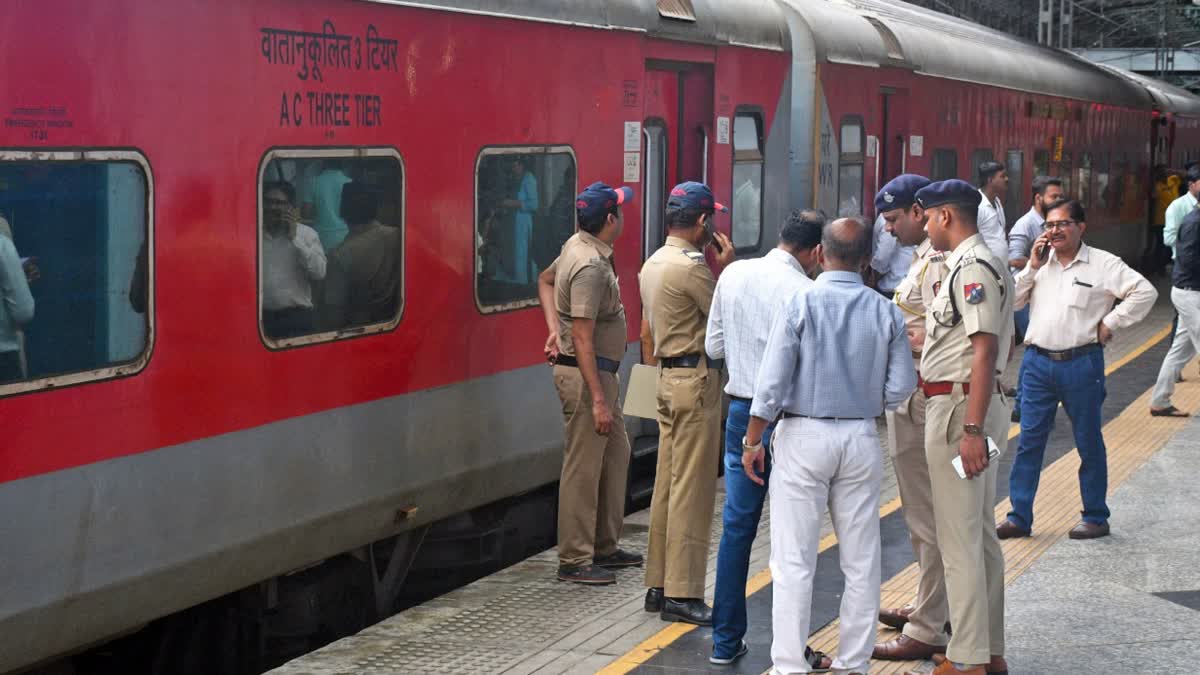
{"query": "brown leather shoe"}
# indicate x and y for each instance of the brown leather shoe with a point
(895, 617)
(1086, 530)
(904, 648)
(997, 666)
(1010, 530)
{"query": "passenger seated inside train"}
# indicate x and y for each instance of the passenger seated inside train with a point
(363, 281)
(292, 260)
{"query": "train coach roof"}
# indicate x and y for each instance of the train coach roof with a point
(1168, 97)
(893, 33)
(754, 23)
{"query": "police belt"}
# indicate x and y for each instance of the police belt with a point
(607, 365)
(1067, 354)
(691, 361)
(931, 389)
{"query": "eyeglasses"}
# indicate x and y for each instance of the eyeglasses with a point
(1060, 224)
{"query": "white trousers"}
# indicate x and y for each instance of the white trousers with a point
(1183, 348)
(820, 462)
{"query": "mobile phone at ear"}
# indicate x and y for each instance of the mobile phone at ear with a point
(712, 237)
(1043, 253)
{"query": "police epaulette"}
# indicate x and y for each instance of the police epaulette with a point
(696, 256)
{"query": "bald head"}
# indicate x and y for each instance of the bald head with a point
(846, 244)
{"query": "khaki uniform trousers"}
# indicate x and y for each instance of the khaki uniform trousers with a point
(685, 487)
(906, 439)
(591, 490)
(964, 514)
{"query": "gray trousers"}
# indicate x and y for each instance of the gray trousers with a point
(1183, 348)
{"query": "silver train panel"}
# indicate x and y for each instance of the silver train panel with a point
(112, 545)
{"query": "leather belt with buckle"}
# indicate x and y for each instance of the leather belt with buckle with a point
(607, 365)
(1067, 354)
(791, 415)
(691, 361)
(931, 389)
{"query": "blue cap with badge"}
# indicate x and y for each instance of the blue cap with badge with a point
(693, 195)
(900, 192)
(598, 198)
(953, 191)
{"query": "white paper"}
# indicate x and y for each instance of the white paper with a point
(641, 398)
(872, 146)
(633, 167)
(723, 131)
(916, 145)
(633, 136)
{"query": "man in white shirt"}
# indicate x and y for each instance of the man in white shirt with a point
(749, 296)
(1182, 347)
(292, 259)
(993, 186)
(1071, 294)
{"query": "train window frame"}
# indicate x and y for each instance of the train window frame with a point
(493, 150)
(1016, 183)
(849, 159)
(755, 113)
(130, 367)
(934, 160)
(656, 145)
(979, 156)
(326, 152)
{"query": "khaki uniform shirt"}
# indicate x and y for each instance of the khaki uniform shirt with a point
(677, 291)
(985, 305)
(915, 293)
(585, 287)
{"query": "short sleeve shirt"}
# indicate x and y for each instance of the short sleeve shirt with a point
(677, 291)
(915, 293)
(585, 287)
(983, 298)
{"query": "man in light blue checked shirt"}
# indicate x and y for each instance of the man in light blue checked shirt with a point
(748, 298)
(837, 357)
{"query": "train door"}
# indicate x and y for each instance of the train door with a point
(892, 157)
(677, 109)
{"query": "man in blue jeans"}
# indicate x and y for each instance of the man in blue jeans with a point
(748, 297)
(1070, 294)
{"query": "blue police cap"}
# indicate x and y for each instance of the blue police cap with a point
(953, 191)
(598, 198)
(693, 195)
(900, 192)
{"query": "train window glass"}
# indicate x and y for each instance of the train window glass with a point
(979, 156)
(1103, 198)
(1041, 163)
(524, 213)
(1064, 172)
(1083, 179)
(331, 244)
(850, 173)
(1013, 202)
(944, 164)
(747, 180)
(77, 256)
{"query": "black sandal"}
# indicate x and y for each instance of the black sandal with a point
(816, 660)
(1169, 411)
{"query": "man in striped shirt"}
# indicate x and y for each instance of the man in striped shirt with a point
(749, 296)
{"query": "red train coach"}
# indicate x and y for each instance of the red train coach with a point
(164, 445)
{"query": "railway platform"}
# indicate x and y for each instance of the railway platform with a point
(1128, 603)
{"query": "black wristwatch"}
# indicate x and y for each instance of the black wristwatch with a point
(972, 430)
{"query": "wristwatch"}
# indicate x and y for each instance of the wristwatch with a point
(972, 430)
(747, 448)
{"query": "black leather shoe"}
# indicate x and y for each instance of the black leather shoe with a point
(654, 599)
(593, 575)
(687, 610)
(619, 558)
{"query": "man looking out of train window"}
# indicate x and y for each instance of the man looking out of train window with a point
(582, 305)
(292, 259)
(993, 187)
(677, 289)
(1070, 288)
(749, 296)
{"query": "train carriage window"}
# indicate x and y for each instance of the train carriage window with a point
(1064, 172)
(944, 165)
(979, 156)
(76, 267)
(850, 171)
(524, 213)
(1083, 179)
(1013, 202)
(747, 180)
(1041, 163)
(331, 244)
(1103, 198)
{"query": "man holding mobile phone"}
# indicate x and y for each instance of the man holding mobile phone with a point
(968, 334)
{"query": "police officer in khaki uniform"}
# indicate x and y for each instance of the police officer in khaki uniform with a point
(923, 623)
(968, 334)
(677, 290)
(582, 303)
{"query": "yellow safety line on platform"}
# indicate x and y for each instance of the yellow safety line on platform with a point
(902, 587)
(1132, 438)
